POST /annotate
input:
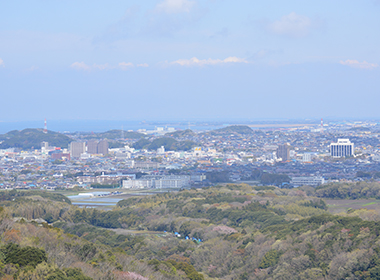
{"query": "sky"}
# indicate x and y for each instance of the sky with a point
(189, 59)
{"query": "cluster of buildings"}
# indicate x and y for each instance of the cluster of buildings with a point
(90, 147)
(307, 155)
(76, 150)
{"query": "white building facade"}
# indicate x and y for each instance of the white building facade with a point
(157, 182)
(342, 148)
(307, 181)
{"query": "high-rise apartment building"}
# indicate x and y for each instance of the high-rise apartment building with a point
(77, 148)
(103, 147)
(92, 147)
(343, 148)
(44, 145)
(283, 152)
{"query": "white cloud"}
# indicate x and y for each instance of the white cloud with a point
(2, 62)
(357, 64)
(175, 6)
(125, 65)
(80, 66)
(143, 65)
(105, 66)
(201, 62)
(292, 25)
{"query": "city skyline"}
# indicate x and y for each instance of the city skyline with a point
(186, 59)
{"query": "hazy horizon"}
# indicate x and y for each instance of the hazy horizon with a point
(189, 59)
(198, 125)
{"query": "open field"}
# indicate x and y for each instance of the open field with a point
(342, 205)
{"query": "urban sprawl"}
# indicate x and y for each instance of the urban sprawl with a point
(168, 158)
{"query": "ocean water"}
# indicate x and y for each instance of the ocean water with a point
(102, 125)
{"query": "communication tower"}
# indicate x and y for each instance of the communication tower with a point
(321, 125)
(45, 127)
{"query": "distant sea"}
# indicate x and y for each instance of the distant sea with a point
(102, 126)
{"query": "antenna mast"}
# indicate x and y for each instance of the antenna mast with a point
(321, 125)
(45, 126)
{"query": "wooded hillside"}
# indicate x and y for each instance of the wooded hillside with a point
(222, 232)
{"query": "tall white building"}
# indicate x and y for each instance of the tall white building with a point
(342, 148)
(306, 157)
(161, 150)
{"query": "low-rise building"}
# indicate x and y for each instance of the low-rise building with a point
(307, 181)
(157, 182)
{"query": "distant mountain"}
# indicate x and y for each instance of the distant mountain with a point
(115, 134)
(31, 138)
(181, 133)
(239, 129)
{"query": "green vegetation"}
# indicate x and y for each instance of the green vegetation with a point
(114, 134)
(31, 263)
(270, 259)
(181, 133)
(32, 138)
(218, 177)
(348, 190)
(15, 195)
(233, 129)
(362, 174)
(269, 178)
(115, 144)
(274, 179)
(371, 203)
(170, 144)
(32, 251)
(224, 232)
(23, 256)
(171, 266)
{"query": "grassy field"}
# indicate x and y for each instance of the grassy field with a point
(337, 206)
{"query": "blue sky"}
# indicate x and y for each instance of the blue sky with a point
(189, 59)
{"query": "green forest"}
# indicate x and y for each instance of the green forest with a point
(221, 232)
(114, 134)
(31, 139)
